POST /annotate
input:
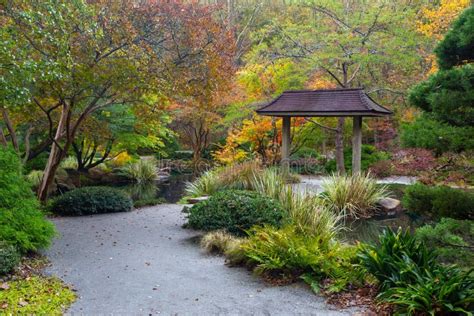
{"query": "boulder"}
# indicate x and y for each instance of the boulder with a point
(197, 199)
(389, 206)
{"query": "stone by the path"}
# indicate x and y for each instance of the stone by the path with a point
(197, 199)
(389, 206)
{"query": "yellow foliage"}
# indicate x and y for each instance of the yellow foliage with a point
(122, 159)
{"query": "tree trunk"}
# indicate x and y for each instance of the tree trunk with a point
(8, 123)
(340, 146)
(54, 159)
(3, 139)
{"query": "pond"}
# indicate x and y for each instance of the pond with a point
(170, 190)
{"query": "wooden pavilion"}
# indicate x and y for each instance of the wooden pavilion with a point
(353, 103)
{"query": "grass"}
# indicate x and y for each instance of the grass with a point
(355, 195)
(69, 162)
(142, 171)
(219, 242)
(35, 177)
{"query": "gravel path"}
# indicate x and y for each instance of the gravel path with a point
(143, 263)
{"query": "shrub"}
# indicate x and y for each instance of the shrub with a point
(396, 254)
(69, 163)
(439, 201)
(353, 195)
(439, 291)
(437, 136)
(219, 242)
(453, 240)
(9, 258)
(235, 211)
(22, 224)
(369, 156)
(35, 177)
(92, 200)
(411, 161)
(290, 252)
(144, 170)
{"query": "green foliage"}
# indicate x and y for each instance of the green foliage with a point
(36, 295)
(453, 240)
(144, 170)
(448, 96)
(457, 47)
(439, 201)
(235, 211)
(35, 177)
(394, 256)
(427, 133)
(22, 224)
(9, 258)
(438, 291)
(369, 156)
(69, 162)
(236, 176)
(92, 200)
(353, 195)
(290, 252)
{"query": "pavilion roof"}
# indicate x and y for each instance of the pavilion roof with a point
(329, 102)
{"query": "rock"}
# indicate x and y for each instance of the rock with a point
(389, 206)
(197, 199)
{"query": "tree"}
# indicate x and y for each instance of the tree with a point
(100, 54)
(448, 95)
(352, 43)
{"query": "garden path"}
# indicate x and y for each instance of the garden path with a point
(143, 262)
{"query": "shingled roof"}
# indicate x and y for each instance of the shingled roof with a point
(330, 102)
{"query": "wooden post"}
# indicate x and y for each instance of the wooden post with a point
(285, 143)
(356, 144)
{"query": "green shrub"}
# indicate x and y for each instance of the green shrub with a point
(35, 177)
(92, 200)
(235, 211)
(22, 224)
(9, 258)
(369, 156)
(453, 240)
(352, 195)
(396, 254)
(69, 162)
(290, 252)
(144, 170)
(437, 136)
(439, 201)
(439, 291)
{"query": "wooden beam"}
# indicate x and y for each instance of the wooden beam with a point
(356, 144)
(286, 142)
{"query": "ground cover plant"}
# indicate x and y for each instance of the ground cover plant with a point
(412, 279)
(235, 211)
(92, 200)
(439, 201)
(9, 258)
(141, 171)
(22, 224)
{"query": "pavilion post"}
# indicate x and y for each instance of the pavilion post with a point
(356, 144)
(285, 142)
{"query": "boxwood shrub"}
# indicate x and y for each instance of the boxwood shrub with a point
(9, 258)
(235, 211)
(92, 200)
(439, 201)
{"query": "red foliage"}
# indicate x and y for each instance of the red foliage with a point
(412, 161)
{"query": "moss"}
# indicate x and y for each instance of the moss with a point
(36, 295)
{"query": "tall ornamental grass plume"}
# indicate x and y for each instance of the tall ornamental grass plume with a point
(353, 195)
(144, 170)
(235, 177)
(306, 210)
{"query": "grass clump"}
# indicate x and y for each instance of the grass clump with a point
(235, 211)
(142, 171)
(22, 224)
(353, 195)
(439, 201)
(92, 200)
(219, 242)
(35, 177)
(36, 295)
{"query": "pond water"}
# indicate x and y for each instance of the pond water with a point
(171, 190)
